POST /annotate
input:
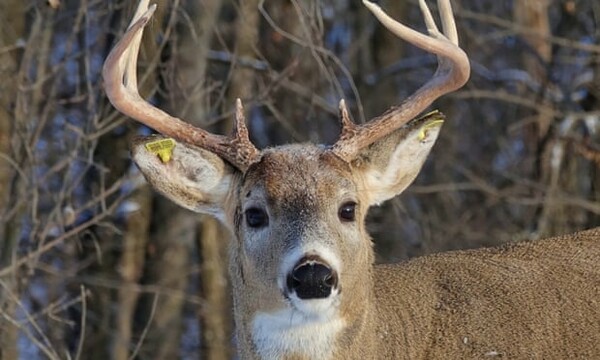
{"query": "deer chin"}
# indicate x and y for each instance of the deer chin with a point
(288, 331)
(320, 310)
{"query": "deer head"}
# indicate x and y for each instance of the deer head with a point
(301, 254)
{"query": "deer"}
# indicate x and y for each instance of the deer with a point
(304, 282)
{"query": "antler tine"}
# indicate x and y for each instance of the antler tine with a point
(348, 127)
(448, 24)
(452, 73)
(120, 82)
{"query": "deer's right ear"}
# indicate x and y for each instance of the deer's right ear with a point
(190, 176)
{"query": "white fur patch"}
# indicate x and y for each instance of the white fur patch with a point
(307, 327)
(289, 331)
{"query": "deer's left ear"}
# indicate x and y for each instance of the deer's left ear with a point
(390, 164)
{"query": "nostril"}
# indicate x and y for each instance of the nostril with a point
(312, 280)
(293, 282)
(329, 280)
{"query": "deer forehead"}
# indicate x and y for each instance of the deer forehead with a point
(298, 177)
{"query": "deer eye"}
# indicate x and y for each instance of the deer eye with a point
(256, 217)
(347, 212)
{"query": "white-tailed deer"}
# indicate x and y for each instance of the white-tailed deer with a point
(304, 283)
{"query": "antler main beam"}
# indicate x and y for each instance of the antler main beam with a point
(120, 81)
(452, 73)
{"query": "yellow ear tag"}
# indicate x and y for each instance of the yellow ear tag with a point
(163, 148)
(431, 124)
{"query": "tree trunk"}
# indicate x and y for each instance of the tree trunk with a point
(168, 270)
(131, 268)
(136, 231)
(12, 18)
(379, 55)
(534, 16)
(192, 101)
(216, 315)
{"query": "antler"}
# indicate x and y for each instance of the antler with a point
(120, 82)
(451, 74)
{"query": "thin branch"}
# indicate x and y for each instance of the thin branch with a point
(146, 328)
(46, 346)
(83, 322)
(59, 240)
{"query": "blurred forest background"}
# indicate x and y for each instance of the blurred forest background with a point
(95, 265)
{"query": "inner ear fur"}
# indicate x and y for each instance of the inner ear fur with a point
(390, 164)
(194, 178)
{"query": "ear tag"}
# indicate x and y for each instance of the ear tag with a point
(163, 148)
(431, 124)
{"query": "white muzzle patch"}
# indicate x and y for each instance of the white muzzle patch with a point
(306, 327)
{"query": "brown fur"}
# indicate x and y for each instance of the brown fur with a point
(528, 300)
(293, 180)
(531, 300)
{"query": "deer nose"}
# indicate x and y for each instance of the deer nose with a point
(312, 279)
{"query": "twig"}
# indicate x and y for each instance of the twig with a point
(83, 317)
(29, 335)
(143, 336)
(47, 347)
(55, 242)
(518, 29)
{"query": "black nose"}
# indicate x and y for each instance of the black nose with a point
(311, 280)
